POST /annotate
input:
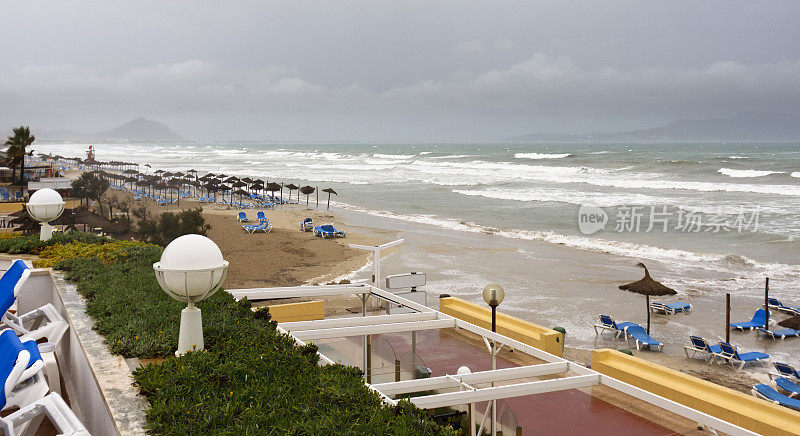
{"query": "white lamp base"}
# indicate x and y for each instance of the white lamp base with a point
(191, 335)
(46, 233)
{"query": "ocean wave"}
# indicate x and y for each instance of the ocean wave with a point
(795, 174)
(393, 156)
(453, 156)
(541, 155)
(746, 173)
(738, 157)
(601, 199)
(728, 262)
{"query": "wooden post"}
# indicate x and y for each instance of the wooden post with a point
(766, 304)
(317, 191)
(728, 318)
(647, 299)
(396, 370)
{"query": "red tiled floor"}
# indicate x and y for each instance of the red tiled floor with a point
(570, 412)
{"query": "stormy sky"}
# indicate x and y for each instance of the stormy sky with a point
(394, 70)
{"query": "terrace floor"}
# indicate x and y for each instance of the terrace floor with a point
(574, 411)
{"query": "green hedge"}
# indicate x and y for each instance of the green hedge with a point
(249, 380)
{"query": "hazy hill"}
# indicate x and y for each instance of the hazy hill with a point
(138, 130)
(751, 127)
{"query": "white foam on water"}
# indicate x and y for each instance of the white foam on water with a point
(738, 157)
(601, 199)
(394, 156)
(733, 264)
(541, 155)
(746, 173)
(795, 174)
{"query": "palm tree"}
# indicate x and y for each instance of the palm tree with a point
(17, 144)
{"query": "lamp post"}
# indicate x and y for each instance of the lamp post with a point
(191, 269)
(493, 295)
(45, 205)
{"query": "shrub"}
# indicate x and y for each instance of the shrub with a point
(249, 380)
(168, 226)
(107, 253)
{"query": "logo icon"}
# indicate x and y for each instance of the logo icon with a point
(591, 219)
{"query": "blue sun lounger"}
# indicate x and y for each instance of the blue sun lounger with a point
(261, 216)
(639, 334)
(263, 226)
(608, 323)
(778, 334)
(774, 303)
(758, 321)
(700, 345)
(769, 394)
(328, 231)
(788, 386)
(242, 217)
(307, 225)
(784, 370)
(671, 308)
(731, 353)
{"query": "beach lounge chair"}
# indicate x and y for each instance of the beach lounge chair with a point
(608, 323)
(307, 225)
(252, 228)
(242, 217)
(25, 386)
(731, 353)
(758, 321)
(774, 303)
(700, 345)
(671, 308)
(769, 394)
(261, 216)
(788, 386)
(639, 334)
(328, 231)
(43, 322)
(784, 370)
(778, 334)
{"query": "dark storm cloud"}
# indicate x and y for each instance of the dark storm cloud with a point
(414, 70)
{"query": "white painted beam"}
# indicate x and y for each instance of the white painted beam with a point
(341, 332)
(298, 326)
(441, 382)
(255, 294)
(508, 391)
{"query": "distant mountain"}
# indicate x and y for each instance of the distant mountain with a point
(138, 130)
(751, 127)
(142, 130)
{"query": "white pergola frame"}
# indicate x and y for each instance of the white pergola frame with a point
(425, 318)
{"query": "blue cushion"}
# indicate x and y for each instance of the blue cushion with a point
(787, 385)
(8, 282)
(752, 355)
(10, 346)
(774, 395)
(32, 348)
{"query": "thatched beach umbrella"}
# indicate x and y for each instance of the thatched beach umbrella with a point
(647, 286)
(307, 190)
(291, 187)
(329, 191)
(791, 323)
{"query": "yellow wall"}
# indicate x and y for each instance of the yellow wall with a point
(526, 332)
(735, 407)
(7, 208)
(303, 311)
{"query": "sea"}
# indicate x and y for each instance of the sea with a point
(559, 225)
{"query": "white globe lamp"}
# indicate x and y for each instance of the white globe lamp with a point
(191, 269)
(45, 205)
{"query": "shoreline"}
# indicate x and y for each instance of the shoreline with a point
(288, 257)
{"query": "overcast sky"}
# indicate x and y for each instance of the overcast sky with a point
(401, 70)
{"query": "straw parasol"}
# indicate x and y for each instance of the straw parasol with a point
(791, 323)
(307, 190)
(647, 287)
(329, 191)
